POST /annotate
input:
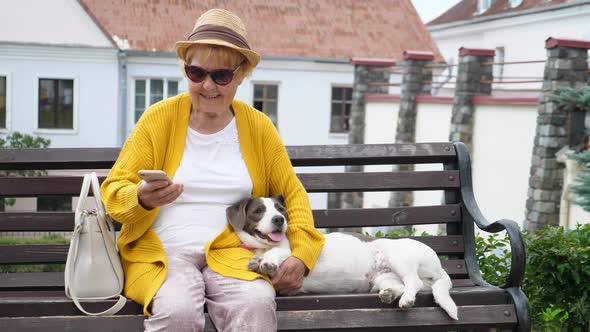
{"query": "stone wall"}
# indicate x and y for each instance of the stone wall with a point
(566, 66)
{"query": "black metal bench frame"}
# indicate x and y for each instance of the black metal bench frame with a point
(32, 301)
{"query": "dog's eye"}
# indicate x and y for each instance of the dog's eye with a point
(259, 210)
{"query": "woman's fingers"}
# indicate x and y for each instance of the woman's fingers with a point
(157, 193)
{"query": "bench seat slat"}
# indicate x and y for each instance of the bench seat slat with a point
(419, 215)
(57, 253)
(426, 318)
(309, 155)
(61, 306)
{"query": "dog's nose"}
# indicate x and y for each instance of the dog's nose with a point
(278, 221)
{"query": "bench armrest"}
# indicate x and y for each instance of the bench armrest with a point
(473, 213)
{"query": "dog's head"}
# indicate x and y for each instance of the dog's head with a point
(259, 222)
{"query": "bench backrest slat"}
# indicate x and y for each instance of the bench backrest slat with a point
(368, 217)
(313, 182)
(55, 158)
(307, 155)
(56, 253)
(380, 181)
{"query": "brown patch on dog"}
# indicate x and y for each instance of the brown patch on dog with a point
(245, 214)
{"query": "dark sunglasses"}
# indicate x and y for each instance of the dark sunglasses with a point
(219, 76)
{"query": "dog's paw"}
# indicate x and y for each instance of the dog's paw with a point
(407, 301)
(269, 268)
(254, 264)
(387, 295)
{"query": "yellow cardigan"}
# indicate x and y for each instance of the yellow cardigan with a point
(157, 142)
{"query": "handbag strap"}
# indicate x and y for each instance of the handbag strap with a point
(91, 182)
(110, 311)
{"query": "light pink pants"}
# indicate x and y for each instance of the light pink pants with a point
(232, 304)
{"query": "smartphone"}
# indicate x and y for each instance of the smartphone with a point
(149, 175)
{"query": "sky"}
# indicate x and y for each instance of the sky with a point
(430, 9)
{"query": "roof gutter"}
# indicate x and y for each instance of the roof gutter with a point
(162, 54)
(122, 61)
(440, 27)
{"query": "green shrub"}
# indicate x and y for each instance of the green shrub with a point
(493, 255)
(48, 239)
(557, 278)
(17, 140)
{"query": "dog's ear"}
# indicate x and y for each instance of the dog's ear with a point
(280, 198)
(236, 214)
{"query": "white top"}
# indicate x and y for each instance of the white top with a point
(215, 176)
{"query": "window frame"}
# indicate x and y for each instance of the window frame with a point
(75, 104)
(8, 101)
(267, 83)
(131, 112)
(339, 86)
(500, 56)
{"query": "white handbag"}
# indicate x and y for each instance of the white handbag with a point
(93, 268)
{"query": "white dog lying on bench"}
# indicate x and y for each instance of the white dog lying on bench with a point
(348, 263)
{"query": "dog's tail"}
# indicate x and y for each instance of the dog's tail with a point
(440, 291)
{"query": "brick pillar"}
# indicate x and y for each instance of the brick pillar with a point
(566, 66)
(362, 76)
(415, 72)
(469, 74)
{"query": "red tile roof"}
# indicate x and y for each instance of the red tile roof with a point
(307, 28)
(466, 10)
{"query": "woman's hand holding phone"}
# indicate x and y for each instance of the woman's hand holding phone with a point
(157, 189)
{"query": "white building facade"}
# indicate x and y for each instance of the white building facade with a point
(515, 36)
(57, 75)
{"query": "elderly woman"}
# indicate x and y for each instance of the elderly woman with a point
(177, 250)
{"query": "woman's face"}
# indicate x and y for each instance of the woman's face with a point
(208, 96)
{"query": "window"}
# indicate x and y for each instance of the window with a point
(266, 100)
(56, 103)
(483, 5)
(499, 59)
(515, 3)
(151, 91)
(3, 97)
(54, 203)
(340, 114)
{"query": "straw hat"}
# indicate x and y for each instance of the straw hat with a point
(219, 27)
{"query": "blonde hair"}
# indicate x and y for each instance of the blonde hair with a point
(220, 56)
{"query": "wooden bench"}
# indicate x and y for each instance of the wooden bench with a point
(32, 301)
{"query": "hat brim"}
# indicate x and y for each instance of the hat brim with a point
(181, 47)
